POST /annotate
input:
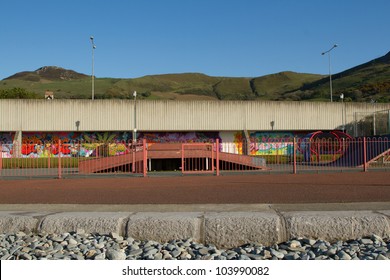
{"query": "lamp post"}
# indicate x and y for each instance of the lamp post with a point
(135, 118)
(330, 74)
(134, 131)
(342, 111)
(93, 67)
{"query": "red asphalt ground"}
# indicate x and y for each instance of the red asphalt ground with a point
(272, 189)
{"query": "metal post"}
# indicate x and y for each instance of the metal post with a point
(135, 118)
(388, 122)
(93, 67)
(295, 156)
(330, 80)
(364, 154)
(342, 111)
(145, 157)
(133, 157)
(182, 158)
(59, 160)
(217, 156)
(330, 72)
(134, 130)
(1, 158)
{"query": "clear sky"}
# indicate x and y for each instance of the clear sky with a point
(237, 38)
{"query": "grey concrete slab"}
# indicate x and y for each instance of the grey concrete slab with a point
(13, 222)
(102, 222)
(339, 225)
(163, 227)
(237, 228)
(224, 229)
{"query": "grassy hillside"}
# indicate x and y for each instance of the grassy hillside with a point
(272, 87)
(366, 82)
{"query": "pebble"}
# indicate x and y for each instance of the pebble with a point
(344, 256)
(80, 245)
(112, 254)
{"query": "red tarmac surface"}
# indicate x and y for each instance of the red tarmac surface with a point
(286, 188)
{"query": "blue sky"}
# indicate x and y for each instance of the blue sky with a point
(243, 38)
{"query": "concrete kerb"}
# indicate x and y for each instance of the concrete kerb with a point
(224, 229)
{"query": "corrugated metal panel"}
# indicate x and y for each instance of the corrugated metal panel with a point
(101, 115)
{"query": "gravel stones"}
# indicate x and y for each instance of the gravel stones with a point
(112, 254)
(83, 246)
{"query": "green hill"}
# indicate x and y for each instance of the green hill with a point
(365, 82)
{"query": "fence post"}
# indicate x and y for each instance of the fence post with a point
(1, 158)
(364, 154)
(295, 156)
(145, 157)
(182, 158)
(217, 155)
(59, 160)
(133, 149)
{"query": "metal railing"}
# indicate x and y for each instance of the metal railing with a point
(56, 159)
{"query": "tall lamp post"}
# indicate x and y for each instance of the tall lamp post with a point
(135, 118)
(330, 73)
(342, 111)
(93, 67)
(134, 131)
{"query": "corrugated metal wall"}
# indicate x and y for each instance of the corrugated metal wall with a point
(118, 115)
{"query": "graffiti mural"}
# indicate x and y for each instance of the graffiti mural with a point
(7, 137)
(73, 144)
(264, 143)
(271, 143)
(90, 144)
(180, 137)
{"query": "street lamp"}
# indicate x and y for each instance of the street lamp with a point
(330, 74)
(93, 67)
(134, 131)
(342, 111)
(135, 118)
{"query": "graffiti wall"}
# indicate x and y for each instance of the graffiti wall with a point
(88, 144)
(271, 143)
(7, 137)
(73, 144)
(182, 137)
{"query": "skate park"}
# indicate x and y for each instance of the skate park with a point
(342, 180)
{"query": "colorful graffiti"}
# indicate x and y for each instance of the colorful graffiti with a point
(180, 137)
(74, 144)
(267, 143)
(271, 143)
(90, 144)
(7, 137)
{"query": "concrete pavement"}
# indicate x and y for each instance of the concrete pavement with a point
(226, 211)
(224, 225)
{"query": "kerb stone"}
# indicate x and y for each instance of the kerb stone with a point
(332, 226)
(233, 229)
(163, 227)
(14, 222)
(102, 222)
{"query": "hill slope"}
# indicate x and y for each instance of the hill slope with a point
(365, 82)
(49, 73)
